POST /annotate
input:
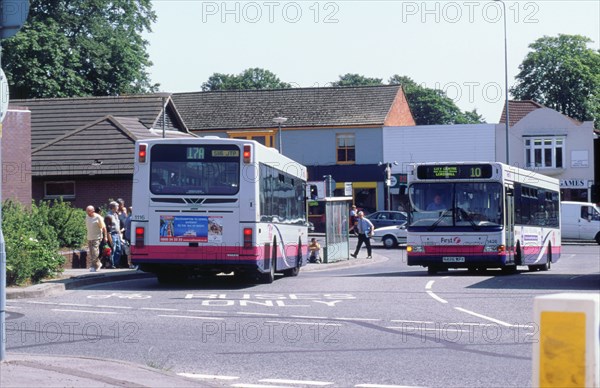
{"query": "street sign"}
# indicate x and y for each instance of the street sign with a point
(13, 14)
(3, 96)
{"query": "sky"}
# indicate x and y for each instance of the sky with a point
(455, 46)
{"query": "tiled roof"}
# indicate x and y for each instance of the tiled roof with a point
(303, 107)
(105, 146)
(518, 110)
(53, 117)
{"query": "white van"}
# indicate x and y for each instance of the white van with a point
(580, 220)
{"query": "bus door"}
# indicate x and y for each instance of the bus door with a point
(510, 224)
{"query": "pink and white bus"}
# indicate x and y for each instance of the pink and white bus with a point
(208, 205)
(482, 215)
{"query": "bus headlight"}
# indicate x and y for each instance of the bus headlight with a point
(494, 248)
(415, 248)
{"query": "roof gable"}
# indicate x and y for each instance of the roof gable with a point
(105, 146)
(303, 107)
(54, 117)
(518, 110)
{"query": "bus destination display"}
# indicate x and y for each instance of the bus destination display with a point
(455, 171)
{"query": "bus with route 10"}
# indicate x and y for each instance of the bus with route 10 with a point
(482, 215)
(207, 205)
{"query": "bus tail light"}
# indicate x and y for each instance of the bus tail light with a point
(247, 154)
(142, 153)
(139, 236)
(247, 238)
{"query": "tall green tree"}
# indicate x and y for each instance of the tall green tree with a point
(431, 106)
(562, 73)
(80, 47)
(351, 79)
(253, 78)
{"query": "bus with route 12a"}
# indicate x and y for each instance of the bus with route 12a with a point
(482, 215)
(207, 205)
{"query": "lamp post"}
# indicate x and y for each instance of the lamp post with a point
(388, 180)
(280, 120)
(507, 118)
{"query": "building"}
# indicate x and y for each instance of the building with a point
(548, 142)
(82, 148)
(337, 131)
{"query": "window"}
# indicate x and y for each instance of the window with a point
(265, 138)
(544, 152)
(345, 148)
(64, 189)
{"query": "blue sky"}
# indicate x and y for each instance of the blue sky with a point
(456, 46)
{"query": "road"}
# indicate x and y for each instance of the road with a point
(384, 324)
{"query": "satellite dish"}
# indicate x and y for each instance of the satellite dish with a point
(13, 14)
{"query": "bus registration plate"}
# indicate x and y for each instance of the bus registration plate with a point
(453, 259)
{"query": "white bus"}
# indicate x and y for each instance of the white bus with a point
(482, 215)
(208, 205)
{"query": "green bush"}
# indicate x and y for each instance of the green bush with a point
(61, 222)
(31, 243)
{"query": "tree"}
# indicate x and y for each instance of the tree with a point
(432, 106)
(253, 78)
(563, 74)
(356, 80)
(80, 47)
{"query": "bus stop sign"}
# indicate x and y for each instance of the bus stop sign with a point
(13, 14)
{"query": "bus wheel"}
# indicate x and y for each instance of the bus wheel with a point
(432, 270)
(268, 277)
(296, 270)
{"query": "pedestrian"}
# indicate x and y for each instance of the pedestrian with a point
(353, 220)
(115, 234)
(315, 251)
(96, 233)
(365, 228)
(122, 214)
(127, 238)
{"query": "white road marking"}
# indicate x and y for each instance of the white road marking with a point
(384, 386)
(407, 321)
(431, 329)
(304, 323)
(429, 284)
(206, 311)
(483, 317)
(302, 382)
(114, 307)
(75, 304)
(434, 296)
(85, 311)
(307, 317)
(357, 319)
(191, 317)
(157, 309)
(264, 314)
(242, 385)
(211, 377)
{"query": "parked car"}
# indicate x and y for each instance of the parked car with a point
(387, 218)
(390, 236)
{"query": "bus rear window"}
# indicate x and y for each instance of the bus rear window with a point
(184, 169)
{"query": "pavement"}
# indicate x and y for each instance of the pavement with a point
(29, 370)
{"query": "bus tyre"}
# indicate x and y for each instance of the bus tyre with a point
(268, 277)
(432, 270)
(296, 270)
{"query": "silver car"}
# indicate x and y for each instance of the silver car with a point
(390, 236)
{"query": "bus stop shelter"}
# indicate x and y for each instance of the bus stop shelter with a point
(337, 242)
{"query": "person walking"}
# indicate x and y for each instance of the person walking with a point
(115, 234)
(96, 233)
(365, 230)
